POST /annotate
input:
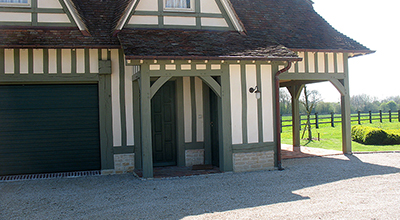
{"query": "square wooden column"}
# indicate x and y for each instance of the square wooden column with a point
(226, 154)
(295, 91)
(146, 132)
(346, 118)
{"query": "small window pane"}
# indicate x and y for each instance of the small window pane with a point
(177, 3)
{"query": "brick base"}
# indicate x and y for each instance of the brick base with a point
(253, 161)
(123, 163)
(194, 157)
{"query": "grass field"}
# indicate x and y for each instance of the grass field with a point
(331, 137)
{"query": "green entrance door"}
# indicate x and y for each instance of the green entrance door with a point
(163, 126)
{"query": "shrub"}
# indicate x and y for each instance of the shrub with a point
(374, 136)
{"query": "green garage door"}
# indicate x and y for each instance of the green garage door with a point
(49, 128)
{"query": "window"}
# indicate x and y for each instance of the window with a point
(15, 3)
(178, 5)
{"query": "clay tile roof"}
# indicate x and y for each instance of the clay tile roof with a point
(292, 23)
(199, 44)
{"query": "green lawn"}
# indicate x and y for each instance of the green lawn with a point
(331, 138)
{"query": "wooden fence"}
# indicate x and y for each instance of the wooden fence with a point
(333, 119)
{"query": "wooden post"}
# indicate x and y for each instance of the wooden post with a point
(359, 117)
(390, 115)
(224, 103)
(295, 91)
(346, 124)
(316, 120)
(370, 117)
(145, 110)
(380, 116)
(332, 119)
(398, 115)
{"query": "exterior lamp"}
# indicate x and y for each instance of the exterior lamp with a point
(256, 91)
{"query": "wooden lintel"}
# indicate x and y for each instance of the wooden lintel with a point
(311, 76)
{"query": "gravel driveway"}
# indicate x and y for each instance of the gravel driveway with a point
(361, 186)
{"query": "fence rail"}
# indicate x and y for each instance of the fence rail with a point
(333, 119)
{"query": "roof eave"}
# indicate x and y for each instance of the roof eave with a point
(352, 53)
(259, 58)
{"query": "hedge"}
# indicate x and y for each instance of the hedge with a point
(374, 136)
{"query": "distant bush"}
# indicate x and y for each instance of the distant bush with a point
(374, 136)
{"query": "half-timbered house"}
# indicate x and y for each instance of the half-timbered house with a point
(123, 84)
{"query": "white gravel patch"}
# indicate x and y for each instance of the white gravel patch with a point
(361, 186)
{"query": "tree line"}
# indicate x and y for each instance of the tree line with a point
(363, 103)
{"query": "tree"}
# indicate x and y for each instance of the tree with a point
(361, 102)
(285, 102)
(392, 105)
(309, 100)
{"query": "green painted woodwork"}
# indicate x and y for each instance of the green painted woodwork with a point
(123, 150)
(104, 66)
(244, 102)
(295, 94)
(105, 111)
(311, 76)
(49, 128)
(180, 131)
(207, 92)
(137, 124)
(34, 10)
(226, 159)
(158, 84)
(164, 126)
(194, 113)
(210, 82)
(253, 147)
(161, 13)
(346, 112)
(146, 131)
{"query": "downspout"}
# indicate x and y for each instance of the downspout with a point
(278, 114)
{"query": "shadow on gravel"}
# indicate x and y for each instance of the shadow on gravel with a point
(125, 197)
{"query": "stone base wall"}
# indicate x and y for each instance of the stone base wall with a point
(253, 161)
(123, 163)
(194, 157)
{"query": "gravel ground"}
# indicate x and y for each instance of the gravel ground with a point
(361, 186)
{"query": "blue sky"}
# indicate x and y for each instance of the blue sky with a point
(374, 24)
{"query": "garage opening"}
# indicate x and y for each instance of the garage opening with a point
(49, 128)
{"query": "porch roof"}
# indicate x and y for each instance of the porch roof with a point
(192, 44)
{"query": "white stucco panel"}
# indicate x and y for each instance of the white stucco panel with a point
(177, 20)
(252, 106)
(236, 103)
(48, 4)
(38, 60)
(267, 103)
(115, 98)
(209, 6)
(144, 19)
(23, 61)
(214, 22)
(9, 61)
(148, 5)
(15, 17)
(53, 18)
